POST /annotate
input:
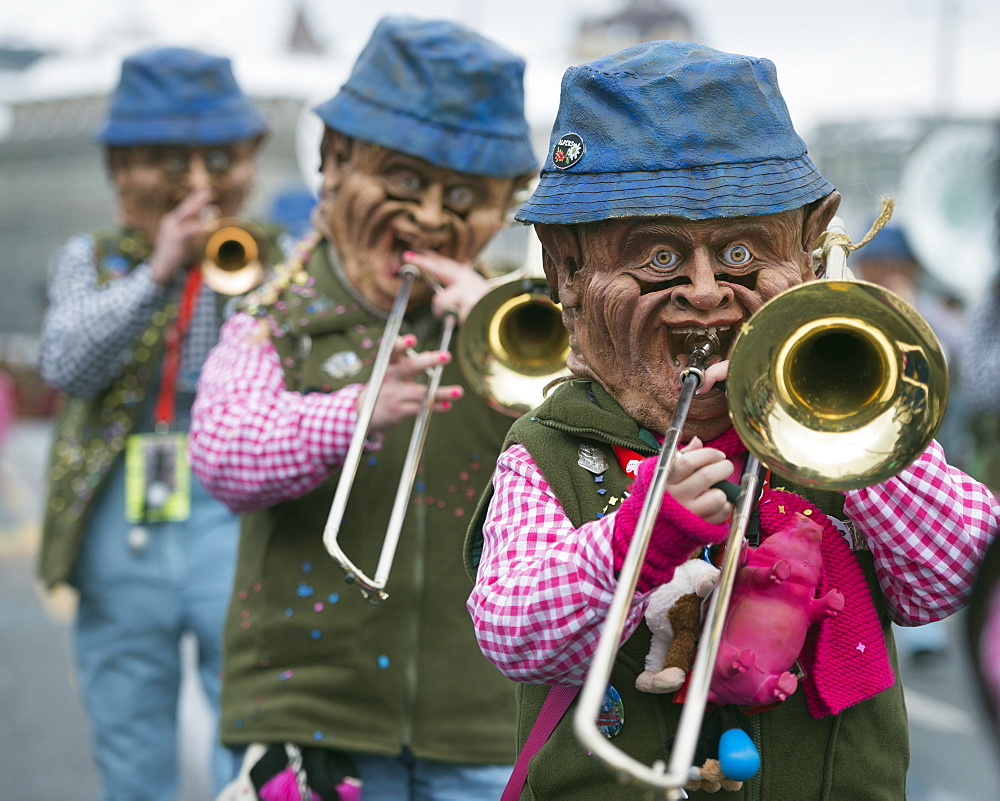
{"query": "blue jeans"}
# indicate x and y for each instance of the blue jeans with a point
(135, 604)
(406, 778)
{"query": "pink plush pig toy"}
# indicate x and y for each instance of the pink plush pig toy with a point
(772, 606)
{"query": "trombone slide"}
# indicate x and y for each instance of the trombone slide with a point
(373, 589)
(592, 695)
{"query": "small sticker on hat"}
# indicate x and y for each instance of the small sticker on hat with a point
(568, 151)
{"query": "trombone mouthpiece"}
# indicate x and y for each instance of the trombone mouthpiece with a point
(701, 345)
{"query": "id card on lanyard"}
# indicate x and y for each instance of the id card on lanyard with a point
(157, 474)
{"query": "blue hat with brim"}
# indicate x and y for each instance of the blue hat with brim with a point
(178, 96)
(440, 92)
(672, 129)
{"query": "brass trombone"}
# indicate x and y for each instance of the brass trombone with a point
(234, 255)
(511, 345)
(810, 414)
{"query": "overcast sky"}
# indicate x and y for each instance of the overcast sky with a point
(847, 59)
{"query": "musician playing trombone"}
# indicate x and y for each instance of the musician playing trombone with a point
(423, 150)
(675, 200)
(128, 326)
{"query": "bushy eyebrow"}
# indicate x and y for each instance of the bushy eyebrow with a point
(683, 233)
(679, 233)
(744, 230)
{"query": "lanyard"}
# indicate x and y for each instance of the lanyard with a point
(163, 415)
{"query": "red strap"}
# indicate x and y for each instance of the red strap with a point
(174, 336)
(555, 706)
(629, 460)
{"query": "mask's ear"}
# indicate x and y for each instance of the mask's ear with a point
(115, 161)
(561, 261)
(334, 153)
(817, 217)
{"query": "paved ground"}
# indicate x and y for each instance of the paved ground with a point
(44, 746)
(44, 739)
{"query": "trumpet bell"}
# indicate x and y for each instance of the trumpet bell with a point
(837, 384)
(234, 255)
(513, 344)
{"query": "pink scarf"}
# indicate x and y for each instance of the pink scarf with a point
(844, 656)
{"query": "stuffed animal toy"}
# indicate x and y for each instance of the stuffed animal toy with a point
(674, 617)
(711, 779)
(772, 606)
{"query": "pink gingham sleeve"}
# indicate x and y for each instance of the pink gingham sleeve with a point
(928, 529)
(254, 443)
(543, 587)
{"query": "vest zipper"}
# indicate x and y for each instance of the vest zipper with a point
(593, 433)
(420, 533)
(755, 789)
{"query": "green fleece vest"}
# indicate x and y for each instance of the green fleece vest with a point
(90, 433)
(307, 660)
(863, 753)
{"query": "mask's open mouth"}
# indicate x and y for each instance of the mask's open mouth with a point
(681, 340)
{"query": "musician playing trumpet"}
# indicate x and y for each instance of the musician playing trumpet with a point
(126, 332)
(676, 199)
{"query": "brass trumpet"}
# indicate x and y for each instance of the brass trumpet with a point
(833, 384)
(511, 345)
(234, 256)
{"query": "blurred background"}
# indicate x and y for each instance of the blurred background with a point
(898, 97)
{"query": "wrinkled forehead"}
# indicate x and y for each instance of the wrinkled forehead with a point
(376, 159)
(157, 154)
(779, 232)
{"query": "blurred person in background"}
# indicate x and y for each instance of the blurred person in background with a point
(889, 261)
(424, 148)
(129, 323)
(981, 389)
(982, 393)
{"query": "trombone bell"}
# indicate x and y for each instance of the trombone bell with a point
(513, 344)
(837, 384)
(232, 263)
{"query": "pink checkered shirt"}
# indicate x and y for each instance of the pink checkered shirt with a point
(544, 587)
(253, 443)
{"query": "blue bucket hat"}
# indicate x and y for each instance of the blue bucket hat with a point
(177, 96)
(440, 92)
(672, 128)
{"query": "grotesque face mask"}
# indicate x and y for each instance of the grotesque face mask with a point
(632, 289)
(377, 203)
(152, 179)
